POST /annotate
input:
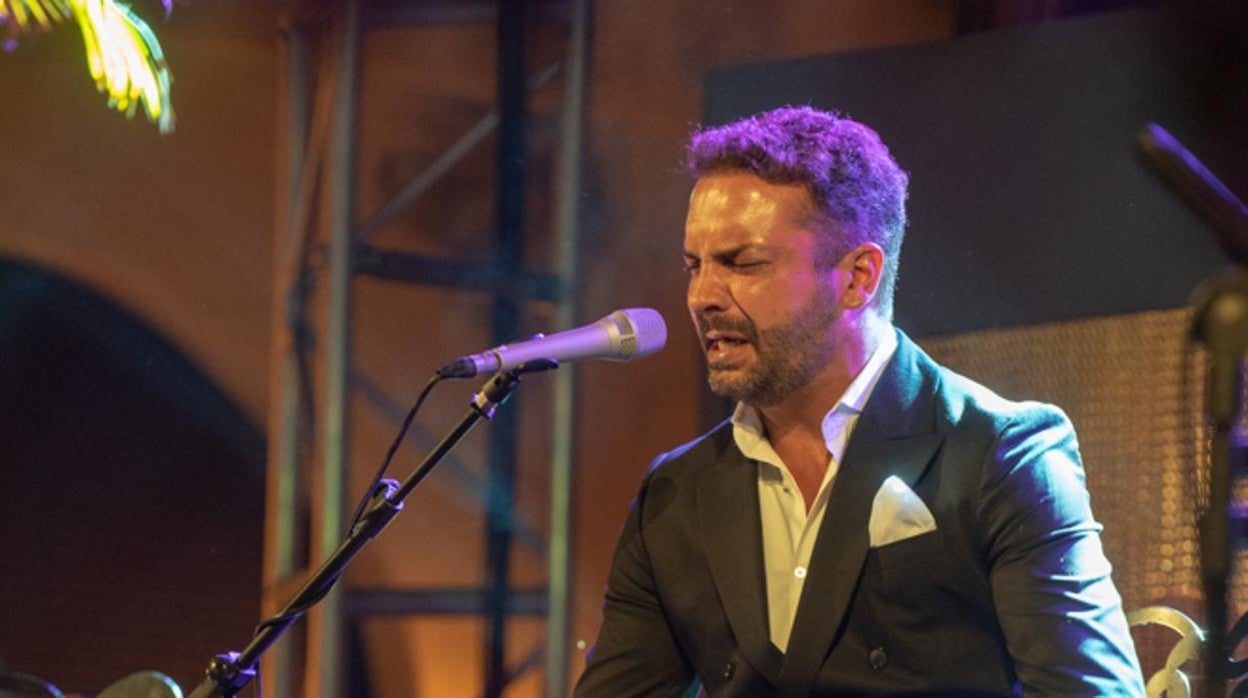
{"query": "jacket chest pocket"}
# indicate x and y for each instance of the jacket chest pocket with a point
(905, 553)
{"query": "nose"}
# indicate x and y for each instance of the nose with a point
(707, 291)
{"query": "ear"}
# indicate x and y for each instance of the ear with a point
(864, 267)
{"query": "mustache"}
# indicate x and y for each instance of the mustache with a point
(724, 323)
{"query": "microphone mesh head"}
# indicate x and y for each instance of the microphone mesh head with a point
(648, 329)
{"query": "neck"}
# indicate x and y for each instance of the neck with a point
(803, 411)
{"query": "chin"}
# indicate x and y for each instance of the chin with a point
(735, 387)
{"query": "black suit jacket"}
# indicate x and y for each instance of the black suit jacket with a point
(1012, 591)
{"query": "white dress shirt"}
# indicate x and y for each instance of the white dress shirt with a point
(789, 531)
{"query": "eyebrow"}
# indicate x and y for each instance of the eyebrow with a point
(723, 255)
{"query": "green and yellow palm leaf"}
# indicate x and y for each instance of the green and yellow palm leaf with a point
(123, 54)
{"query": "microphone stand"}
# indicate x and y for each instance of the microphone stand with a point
(228, 673)
(1220, 323)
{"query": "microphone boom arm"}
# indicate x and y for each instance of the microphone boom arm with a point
(228, 673)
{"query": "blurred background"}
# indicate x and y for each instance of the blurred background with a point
(209, 337)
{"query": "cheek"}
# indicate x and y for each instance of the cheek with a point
(754, 300)
(756, 288)
(772, 300)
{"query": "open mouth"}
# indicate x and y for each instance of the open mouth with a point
(720, 341)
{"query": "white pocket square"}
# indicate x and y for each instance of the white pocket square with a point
(897, 513)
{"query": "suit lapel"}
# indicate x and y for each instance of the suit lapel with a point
(895, 435)
(728, 510)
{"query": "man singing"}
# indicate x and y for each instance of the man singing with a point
(868, 522)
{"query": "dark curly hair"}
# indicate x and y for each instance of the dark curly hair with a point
(858, 190)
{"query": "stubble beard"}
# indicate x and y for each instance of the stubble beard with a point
(786, 358)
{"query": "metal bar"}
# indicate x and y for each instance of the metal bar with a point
(449, 601)
(452, 156)
(449, 11)
(446, 12)
(472, 276)
(567, 203)
(531, 661)
(313, 163)
(426, 179)
(326, 629)
(282, 535)
(500, 488)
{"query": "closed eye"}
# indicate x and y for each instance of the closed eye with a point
(743, 257)
(746, 265)
(737, 259)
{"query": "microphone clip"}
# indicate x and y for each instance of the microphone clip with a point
(497, 389)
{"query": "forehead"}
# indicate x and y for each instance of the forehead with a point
(740, 207)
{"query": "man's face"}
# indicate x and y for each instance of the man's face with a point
(764, 312)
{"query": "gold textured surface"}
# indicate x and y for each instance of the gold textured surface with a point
(1134, 388)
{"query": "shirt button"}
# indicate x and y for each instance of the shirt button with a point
(729, 669)
(878, 658)
(800, 573)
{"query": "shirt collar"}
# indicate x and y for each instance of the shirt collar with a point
(747, 424)
(860, 388)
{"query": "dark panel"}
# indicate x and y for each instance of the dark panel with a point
(131, 495)
(1028, 203)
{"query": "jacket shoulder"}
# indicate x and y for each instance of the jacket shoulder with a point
(971, 405)
(693, 455)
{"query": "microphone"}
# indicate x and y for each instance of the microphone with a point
(619, 337)
(1202, 191)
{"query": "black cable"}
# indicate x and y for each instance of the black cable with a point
(394, 447)
(369, 493)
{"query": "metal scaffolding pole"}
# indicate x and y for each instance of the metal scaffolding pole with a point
(501, 482)
(299, 157)
(567, 210)
(324, 676)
